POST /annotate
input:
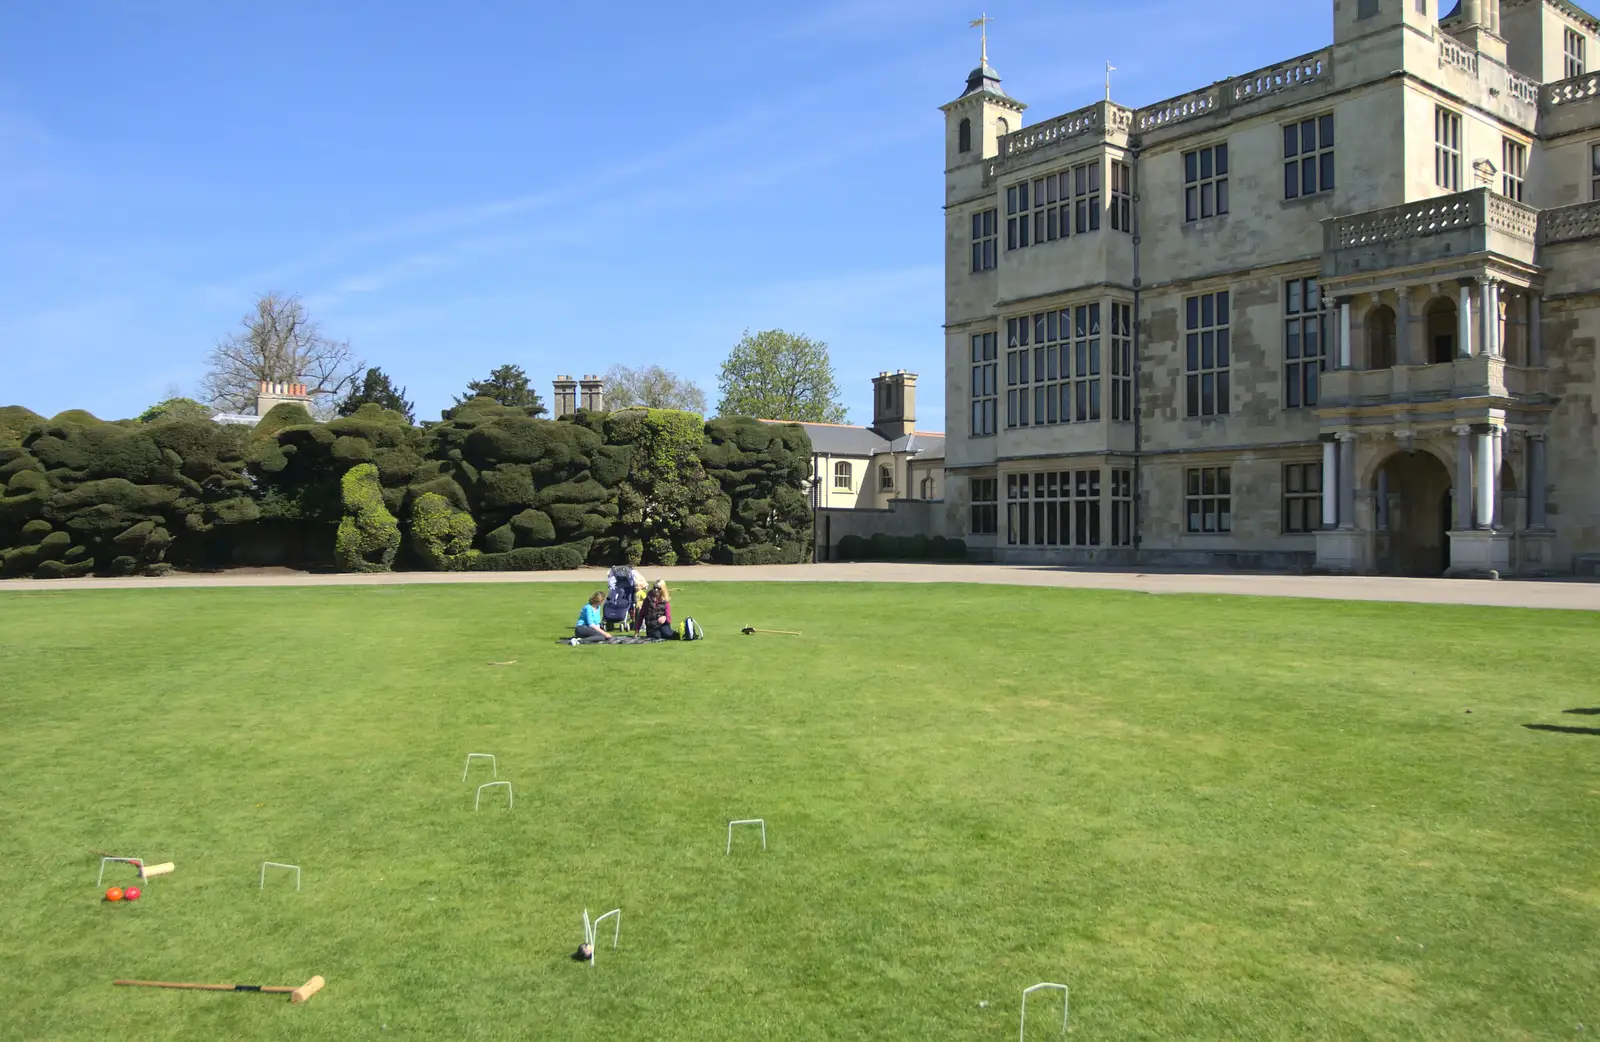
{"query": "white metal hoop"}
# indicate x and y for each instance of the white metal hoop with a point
(1022, 1025)
(747, 821)
(510, 799)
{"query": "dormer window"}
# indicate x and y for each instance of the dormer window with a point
(964, 136)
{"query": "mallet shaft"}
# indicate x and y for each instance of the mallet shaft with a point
(296, 994)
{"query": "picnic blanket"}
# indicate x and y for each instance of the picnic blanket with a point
(629, 639)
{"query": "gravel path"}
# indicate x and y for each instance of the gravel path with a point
(1575, 595)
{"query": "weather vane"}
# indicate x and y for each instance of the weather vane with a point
(982, 23)
(1109, 70)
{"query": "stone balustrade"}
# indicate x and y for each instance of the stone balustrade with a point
(1522, 88)
(1176, 110)
(1063, 128)
(1568, 91)
(1283, 77)
(1569, 223)
(1454, 55)
(1458, 225)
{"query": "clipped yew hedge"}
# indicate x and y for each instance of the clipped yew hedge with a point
(490, 488)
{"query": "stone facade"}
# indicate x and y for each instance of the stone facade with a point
(1336, 314)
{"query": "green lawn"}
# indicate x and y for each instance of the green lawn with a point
(1213, 818)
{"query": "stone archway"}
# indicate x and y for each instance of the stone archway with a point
(1414, 515)
(1379, 330)
(1441, 316)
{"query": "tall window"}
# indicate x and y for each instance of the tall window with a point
(1574, 48)
(1121, 361)
(841, 476)
(1205, 182)
(964, 136)
(1017, 223)
(1086, 366)
(1304, 358)
(885, 478)
(1052, 212)
(985, 505)
(1053, 367)
(1447, 149)
(1121, 197)
(1206, 354)
(983, 240)
(1122, 508)
(1086, 197)
(1594, 172)
(1513, 168)
(1308, 157)
(985, 380)
(1302, 497)
(1053, 508)
(1208, 500)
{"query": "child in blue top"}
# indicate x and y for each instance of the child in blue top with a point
(590, 628)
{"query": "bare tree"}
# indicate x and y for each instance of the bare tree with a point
(280, 342)
(654, 388)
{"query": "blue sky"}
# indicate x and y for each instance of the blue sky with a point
(455, 186)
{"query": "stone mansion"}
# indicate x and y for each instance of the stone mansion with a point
(1340, 313)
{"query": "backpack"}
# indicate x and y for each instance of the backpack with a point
(692, 630)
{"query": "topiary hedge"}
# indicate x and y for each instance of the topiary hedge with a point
(369, 536)
(491, 487)
(881, 547)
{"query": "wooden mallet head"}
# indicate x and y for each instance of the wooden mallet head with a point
(306, 990)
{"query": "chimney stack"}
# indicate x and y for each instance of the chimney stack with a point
(894, 403)
(566, 396)
(591, 390)
(276, 392)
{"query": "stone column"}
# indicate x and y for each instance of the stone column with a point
(1330, 483)
(1404, 350)
(1464, 323)
(1344, 333)
(1381, 518)
(1536, 481)
(1486, 478)
(1496, 458)
(1347, 480)
(1486, 318)
(1463, 489)
(1535, 330)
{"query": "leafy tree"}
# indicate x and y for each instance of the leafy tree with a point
(507, 385)
(278, 342)
(780, 376)
(652, 387)
(377, 388)
(175, 409)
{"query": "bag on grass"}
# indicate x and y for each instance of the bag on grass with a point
(692, 630)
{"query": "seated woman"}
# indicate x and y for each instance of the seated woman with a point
(655, 617)
(590, 628)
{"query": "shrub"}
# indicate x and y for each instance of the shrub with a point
(441, 535)
(16, 422)
(500, 540)
(368, 536)
(851, 548)
(565, 557)
(956, 549)
(533, 528)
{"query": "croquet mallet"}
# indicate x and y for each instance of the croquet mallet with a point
(297, 995)
(788, 633)
(145, 871)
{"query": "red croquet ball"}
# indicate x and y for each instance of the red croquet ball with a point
(114, 894)
(131, 894)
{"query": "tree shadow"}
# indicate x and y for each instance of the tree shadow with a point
(1593, 711)
(1563, 730)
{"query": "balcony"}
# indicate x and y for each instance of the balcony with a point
(1478, 377)
(1428, 231)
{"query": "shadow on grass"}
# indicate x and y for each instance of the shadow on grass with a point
(1583, 712)
(1563, 730)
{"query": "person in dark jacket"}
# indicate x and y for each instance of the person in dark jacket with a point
(655, 616)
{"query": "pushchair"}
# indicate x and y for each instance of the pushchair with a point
(625, 591)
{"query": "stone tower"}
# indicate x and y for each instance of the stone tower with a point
(1353, 19)
(565, 400)
(894, 403)
(976, 121)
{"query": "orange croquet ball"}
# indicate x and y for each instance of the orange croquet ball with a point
(114, 894)
(131, 894)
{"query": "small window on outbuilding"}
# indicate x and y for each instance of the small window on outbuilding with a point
(841, 476)
(964, 136)
(885, 477)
